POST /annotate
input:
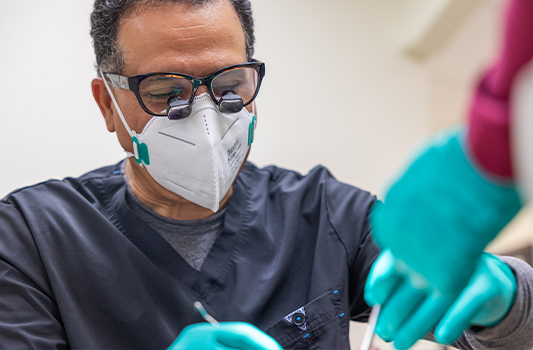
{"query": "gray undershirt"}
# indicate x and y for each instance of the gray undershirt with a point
(192, 239)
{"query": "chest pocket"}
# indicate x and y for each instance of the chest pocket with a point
(320, 324)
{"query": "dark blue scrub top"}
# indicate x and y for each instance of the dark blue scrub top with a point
(78, 269)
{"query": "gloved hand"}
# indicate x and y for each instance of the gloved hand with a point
(227, 335)
(439, 216)
(484, 302)
(411, 307)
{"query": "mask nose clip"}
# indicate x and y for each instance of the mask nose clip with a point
(178, 108)
(230, 103)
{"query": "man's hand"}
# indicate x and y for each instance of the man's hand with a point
(439, 216)
(411, 307)
(227, 335)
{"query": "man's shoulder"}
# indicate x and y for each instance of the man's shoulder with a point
(43, 191)
(315, 190)
(318, 178)
(276, 174)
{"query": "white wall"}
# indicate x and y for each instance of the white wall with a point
(336, 92)
(50, 126)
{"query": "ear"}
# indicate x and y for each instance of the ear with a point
(103, 99)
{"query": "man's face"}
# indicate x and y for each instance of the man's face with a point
(195, 41)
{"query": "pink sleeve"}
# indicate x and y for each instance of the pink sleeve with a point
(488, 124)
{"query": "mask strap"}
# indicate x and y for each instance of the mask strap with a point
(116, 106)
(132, 133)
(253, 114)
(252, 126)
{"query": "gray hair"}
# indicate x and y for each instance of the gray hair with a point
(106, 16)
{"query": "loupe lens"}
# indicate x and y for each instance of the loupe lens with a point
(230, 103)
(178, 109)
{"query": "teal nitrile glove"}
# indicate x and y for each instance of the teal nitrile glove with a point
(410, 307)
(485, 301)
(225, 336)
(439, 216)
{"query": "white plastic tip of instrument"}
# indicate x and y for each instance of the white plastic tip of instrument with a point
(198, 305)
(369, 334)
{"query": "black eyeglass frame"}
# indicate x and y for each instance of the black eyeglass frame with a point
(132, 82)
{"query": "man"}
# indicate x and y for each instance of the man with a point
(118, 257)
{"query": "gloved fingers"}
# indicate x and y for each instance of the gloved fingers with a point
(484, 301)
(459, 317)
(499, 289)
(237, 335)
(422, 320)
(382, 279)
(397, 309)
(189, 336)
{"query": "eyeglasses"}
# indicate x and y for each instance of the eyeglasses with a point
(171, 94)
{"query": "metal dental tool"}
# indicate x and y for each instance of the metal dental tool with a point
(205, 315)
(369, 334)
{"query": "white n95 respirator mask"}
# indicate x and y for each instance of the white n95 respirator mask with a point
(197, 157)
